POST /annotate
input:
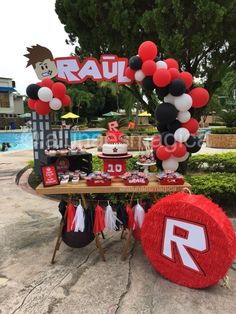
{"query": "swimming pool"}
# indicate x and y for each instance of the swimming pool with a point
(23, 140)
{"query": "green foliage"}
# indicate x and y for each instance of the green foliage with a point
(200, 34)
(220, 187)
(31, 163)
(225, 162)
(229, 117)
(223, 130)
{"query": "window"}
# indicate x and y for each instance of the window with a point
(4, 100)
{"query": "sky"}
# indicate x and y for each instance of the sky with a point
(24, 23)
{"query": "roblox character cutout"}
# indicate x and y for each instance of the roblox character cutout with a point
(42, 61)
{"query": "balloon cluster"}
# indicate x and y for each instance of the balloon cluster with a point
(174, 115)
(46, 96)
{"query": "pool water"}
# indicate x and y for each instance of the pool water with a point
(23, 140)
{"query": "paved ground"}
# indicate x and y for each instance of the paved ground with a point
(79, 282)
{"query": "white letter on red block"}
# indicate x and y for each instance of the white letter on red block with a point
(68, 69)
(194, 238)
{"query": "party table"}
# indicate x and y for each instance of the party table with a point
(117, 186)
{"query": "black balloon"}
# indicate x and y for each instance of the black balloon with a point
(162, 127)
(32, 91)
(193, 144)
(177, 87)
(192, 111)
(166, 113)
(167, 139)
(148, 84)
(135, 63)
(162, 91)
(173, 126)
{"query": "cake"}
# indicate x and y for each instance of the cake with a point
(115, 145)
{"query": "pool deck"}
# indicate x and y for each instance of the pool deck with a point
(79, 282)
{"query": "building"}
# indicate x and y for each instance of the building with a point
(11, 104)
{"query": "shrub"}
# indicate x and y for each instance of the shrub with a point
(220, 187)
(229, 117)
(225, 162)
(223, 131)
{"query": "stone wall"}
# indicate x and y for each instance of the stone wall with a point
(221, 140)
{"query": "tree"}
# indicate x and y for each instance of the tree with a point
(200, 34)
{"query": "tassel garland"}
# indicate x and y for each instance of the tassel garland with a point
(79, 219)
(99, 221)
(70, 217)
(110, 219)
(139, 215)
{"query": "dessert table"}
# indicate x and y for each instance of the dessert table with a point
(117, 186)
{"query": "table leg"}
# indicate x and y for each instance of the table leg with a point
(98, 245)
(132, 198)
(58, 242)
(154, 196)
(59, 237)
(127, 245)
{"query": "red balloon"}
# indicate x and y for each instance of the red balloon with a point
(174, 73)
(187, 78)
(129, 73)
(31, 103)
(149, 67)
(59, 90)
(200, 97)
(47, 83)
(147, 50)
(172, 63)
(42, 107)
(163, 152)
(161, 77)
(179, 149)
(66, 101)
(192, 125)
(156, 142)
(39, 84)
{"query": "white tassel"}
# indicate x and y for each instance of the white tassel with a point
(79, 219)
(139, 214)
(110, 218)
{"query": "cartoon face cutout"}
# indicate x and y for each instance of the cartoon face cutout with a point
(45, 69)
(42, 61)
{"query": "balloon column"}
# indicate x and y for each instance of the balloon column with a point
(46, 96)
(174, 115)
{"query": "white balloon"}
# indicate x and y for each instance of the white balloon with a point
(161, 65)
(185, 157)
(45, 94)
(170, 99)
(55, 104)
(139, 75)
(183, 102)
(170, 164)
(184, 116)
(181, 135)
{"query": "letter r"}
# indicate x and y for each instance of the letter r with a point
(194, 238)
